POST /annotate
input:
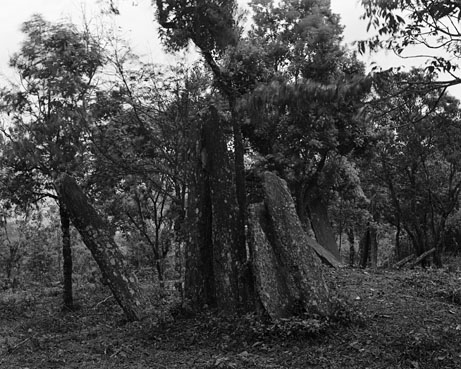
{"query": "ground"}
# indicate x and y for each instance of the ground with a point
(395, 319)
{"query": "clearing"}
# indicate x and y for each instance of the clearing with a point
(396, 319)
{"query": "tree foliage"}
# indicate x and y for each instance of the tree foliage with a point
(144, 149)
(432, 24)
(209, 24)
(417, 160)
(47, 110)
(303, 114)
(166, 153)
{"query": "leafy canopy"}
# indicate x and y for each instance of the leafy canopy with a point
(47, 110)
(431, 24)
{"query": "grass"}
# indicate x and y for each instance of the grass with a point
(395, 319)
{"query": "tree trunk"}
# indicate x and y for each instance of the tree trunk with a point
(66, 257)
(225, 216)
(299, 189)
(405, 260)
(440, 243)
(421, 257)
(159, 267)
(373, 247)
(398, 251)
(199, 286)
(99, 240)
(216, 273)
(245, 279)
(437, 258)
(351, 239)
(299, 265)
(323, 230)
(365, 249)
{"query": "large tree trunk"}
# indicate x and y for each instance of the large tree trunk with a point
(320, 222)
(288, 273)
(66, 257)
(216, 252)
(245, 279)
(199, 286)
(99, 240)
(225, 215)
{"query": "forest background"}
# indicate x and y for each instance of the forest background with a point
(206, 180)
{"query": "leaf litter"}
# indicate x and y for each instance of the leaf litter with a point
(406, 319)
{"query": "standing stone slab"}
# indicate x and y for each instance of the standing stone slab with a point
(99, 240)
(296, 269)
(270, 276)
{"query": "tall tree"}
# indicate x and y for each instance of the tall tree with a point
(56, 65)
(144, 142)
(417, 160)
(211, 26)
(48, 137)
(308, 116)
(236, 67)
(99, 238)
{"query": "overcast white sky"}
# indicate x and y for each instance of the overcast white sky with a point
(136, 23)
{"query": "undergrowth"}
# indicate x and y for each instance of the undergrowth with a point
(380, 319)
(254, 328)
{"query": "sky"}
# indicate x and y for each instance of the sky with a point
(136, 24)
(136, 21)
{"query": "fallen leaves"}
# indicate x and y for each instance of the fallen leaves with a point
(407, 323)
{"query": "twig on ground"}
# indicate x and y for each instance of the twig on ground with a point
(421, 257)
(404, 261)
(103, 301)
(11, 349)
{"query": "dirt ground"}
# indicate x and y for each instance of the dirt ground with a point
(401, 319)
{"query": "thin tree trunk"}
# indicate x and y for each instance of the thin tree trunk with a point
(421, 257)
(160, 271)
(440, 242)
(373, 247)
(365, 249)
(299, 190)
(179, 234)
(405, 260)
(350, 237)
(398, 251)
(99, 239)
(321, 224)
(418, 240)
(66, 257)
(437, 255)
(437, 259)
